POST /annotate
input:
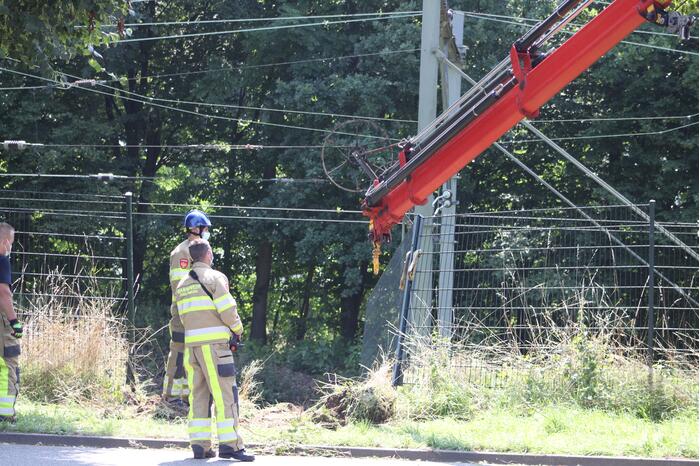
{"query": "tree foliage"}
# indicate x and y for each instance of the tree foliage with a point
(309, 278)
(40, 33)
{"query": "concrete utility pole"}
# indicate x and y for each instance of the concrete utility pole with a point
(440, 36)
(451, 45)
(420, 312)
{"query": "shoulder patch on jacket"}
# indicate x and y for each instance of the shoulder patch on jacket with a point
(184, 263)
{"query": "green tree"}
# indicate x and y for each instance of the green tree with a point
(39, 32)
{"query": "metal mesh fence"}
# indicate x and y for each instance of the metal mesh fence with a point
(69, 249)
(522, 278)
(69, 284)
(516, 278)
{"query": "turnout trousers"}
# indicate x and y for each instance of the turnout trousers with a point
(175, 382)
(9, 369)
(212, 379)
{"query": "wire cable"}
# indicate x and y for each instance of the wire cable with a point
(238, 207)
(336, 211)
(363, 117)
(275, 18)
(268, 65)
(602, 183)
(656, 47)
(582, 120)
(112, 177)
(181, 110)
(534, 20)
(270, 219)
(261, 29)
(113, 215)
(216, 146)
(60, 193)
(602, 136)
(236, 68)
(280, 110)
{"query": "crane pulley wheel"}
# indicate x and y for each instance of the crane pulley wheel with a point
(355, 153)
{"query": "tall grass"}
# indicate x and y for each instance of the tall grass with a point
(75, 348)
(584, 370)
(571, 366)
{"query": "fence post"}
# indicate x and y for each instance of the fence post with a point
(651, 291)
(397, 377)
(128, 196)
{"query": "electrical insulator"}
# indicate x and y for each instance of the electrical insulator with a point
(105, 176)
(14, 145)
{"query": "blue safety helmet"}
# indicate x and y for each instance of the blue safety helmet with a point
(196, 218)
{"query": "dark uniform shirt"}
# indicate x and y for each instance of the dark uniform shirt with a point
(5, 270)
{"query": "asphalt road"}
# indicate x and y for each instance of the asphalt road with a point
(29, 455)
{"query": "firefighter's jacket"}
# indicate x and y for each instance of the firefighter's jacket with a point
(207, 319)
(180, 264)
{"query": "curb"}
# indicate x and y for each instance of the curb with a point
(354, 452)
(452, 456)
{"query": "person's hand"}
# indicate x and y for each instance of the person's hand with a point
(16, 328)
(235, 342)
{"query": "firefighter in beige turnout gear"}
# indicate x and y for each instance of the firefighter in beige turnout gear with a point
(175, 386)
(208, 312)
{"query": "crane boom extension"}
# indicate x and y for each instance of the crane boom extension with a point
(516, 88)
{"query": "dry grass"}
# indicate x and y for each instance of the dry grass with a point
(371, 398)
(74, 348)
(249, 390)
(566, 364)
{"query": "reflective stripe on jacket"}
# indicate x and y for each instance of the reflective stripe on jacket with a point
(207, 319)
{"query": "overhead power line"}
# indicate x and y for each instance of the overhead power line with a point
(98, 176)
(332, 114)
(340, 115)
(221, 207)
(146, 101)
(338, 211)
(604, 136)
(534, 20)
(267, 28)
(606, 119)
(329, 114)
(214, 146)
(113, 177)
(232, 68)
(637, 44)
(274, 18)
(109, 214)
(318, 146)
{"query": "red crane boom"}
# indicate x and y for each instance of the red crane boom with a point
(515, 89)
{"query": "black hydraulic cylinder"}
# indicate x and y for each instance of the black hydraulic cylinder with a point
(524, 43)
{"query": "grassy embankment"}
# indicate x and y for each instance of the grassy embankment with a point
(578, 395)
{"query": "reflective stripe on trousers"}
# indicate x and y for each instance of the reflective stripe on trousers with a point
(7, 401)
(206, 388)
(207, 334)
(180, 388)
(198, 429)
(225, 429)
